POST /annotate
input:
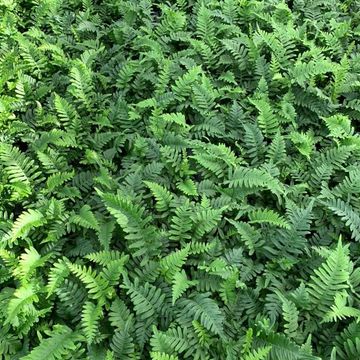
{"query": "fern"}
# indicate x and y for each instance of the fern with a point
(25, 222)
(260, 354)
(57, 274)
(122, 344)
(267, 120)
(18, 167)
(188, 187)
(329, 279)
(206, 220)
(97, 286)
(201, 307)
(180, 285)
(252, 178)
(291, 316)
(347, 214)
(162, 356)
(90, 318)
(268, 216)
(81, 83)
(163, 196)
(86, 218)
(22, 304)
(174, 177)
(147, 299)
(61, 341)
(339, 310)
(172, 263)
(66, 112)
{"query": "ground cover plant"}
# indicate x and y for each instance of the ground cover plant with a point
(179, 179)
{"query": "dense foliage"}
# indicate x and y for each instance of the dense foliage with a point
(179, 179)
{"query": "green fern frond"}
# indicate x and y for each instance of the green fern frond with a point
(26, 221)
(21, 304)
(330, 278)
(206, 220)
(61, 341)
(172, 263)
(98, 287)
(180, 284)
(203, 309)
(267, 216)
(81, 83)
(188, 187)
(90, 317)
(18, 167)
(253, 178)
(347, 214)
(147, 299)
(162, 356)
(86, 218)
(66, 112)
(267, 120)
(163, 196)
(58, 273)
(258, 354)
(340, 311)
(122, 344)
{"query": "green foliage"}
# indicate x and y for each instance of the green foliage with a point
(61, 342)
(175, 177)
(330, 278)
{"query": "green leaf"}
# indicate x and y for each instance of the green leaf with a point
(62, 341)
(180, 285)
(26, 221)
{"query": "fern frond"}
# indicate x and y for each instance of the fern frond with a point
(204, 309)
(61, 341)
(180, 284)
(18, 167)
(330, 278)
(147, 299)
(163, 196)
(253, 178)
(162, 356)
(57, 274)
(86, 218)
(90, 317)
(122, 344)
(97, 286)
(347, 214)
(81, 83)
(268, 216)
(258, 354)
(206, 220)
(172, 263)
(267, 120)
(25, 222)
(340, 311)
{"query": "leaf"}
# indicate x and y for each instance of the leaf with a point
(347, 214)
(268, 216)
(25, 296)
(180, 285)
(204, 309)
(90, 317)
(188, 187)
(253, 178)
(86, 218)
(330, 278)
(29, 261)
(163, 196)
(26, 221)
(97, 286)
(62, 341)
